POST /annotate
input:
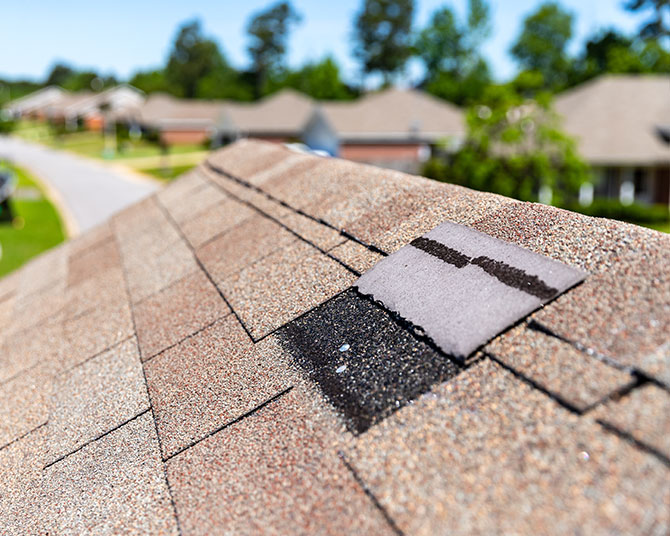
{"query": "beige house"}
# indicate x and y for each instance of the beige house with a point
(618, 121)
(394, 128)
(36, 103)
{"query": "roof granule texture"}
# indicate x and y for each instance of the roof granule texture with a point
(560, 426)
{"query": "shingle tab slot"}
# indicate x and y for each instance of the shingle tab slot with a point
(462, 287)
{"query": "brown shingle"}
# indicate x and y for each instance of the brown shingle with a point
(251, 240)
(356, 256)
(507, 460)
(575, 377)
(215, 221)
(115, 485)
(94, 398)
(176, 312)
(21, 484)
(283, 285)
(209, 380)
(23, 403)
(276, 471)
(95, 331)
(643, 414)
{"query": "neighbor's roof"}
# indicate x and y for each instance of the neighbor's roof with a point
(161, 110)
(615, 118)
(394, 114)
(191, 366)
(283, 113)
(36, 100)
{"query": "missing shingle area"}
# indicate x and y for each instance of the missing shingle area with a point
(366, 362)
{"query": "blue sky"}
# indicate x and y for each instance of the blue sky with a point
(125, 35)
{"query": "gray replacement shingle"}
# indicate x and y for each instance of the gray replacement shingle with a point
(462, 287)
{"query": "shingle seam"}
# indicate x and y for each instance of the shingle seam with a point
(166, 288)
(634, 383)
(146, 386)
(104, 434)
(387, 517)
(19, 373)
(229, 423)
(561, 401)
(663, 458)
(321, 221)
(187, 337)
(202, 267)
(190, 192)
(26, 434)
(25, 329)
(87, 250)
(537, 326)
(284, 226)
(7, 295)
(94, 356)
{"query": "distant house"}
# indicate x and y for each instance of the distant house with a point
(89, 109)
(280, 117)
(393, 128)
(180, 121)
(36, 103)
(619, 123)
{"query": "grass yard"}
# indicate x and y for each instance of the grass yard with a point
(167, 174)
(663, 227)
(35, 227)
(92, 144)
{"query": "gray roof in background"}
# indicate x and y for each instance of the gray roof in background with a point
(393, 114)
(615, 118)
(162, 110)
(283, 113)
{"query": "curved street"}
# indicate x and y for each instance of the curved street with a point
(87, 192)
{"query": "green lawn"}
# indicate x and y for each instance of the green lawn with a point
(168, 174)
(92, 144)
(663, 227)
(35, 226)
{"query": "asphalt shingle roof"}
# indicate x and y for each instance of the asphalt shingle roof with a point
(202, 363)
(615, 119)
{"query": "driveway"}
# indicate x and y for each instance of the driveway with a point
(87, 192)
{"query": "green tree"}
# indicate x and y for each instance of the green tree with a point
(59, 75)
(514, 147)
(193, 57)
(269, 32)
(149, 81)
(383, 36)
(450, 51)
(609, 51)
(320, 80)
(658, 27)
(542, 44)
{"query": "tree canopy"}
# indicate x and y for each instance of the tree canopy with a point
(269, 32)
(450, 51)
(383, 36)
(514, 147)
(193, 58)
(542, 44)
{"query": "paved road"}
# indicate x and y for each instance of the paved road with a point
(91, 192)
